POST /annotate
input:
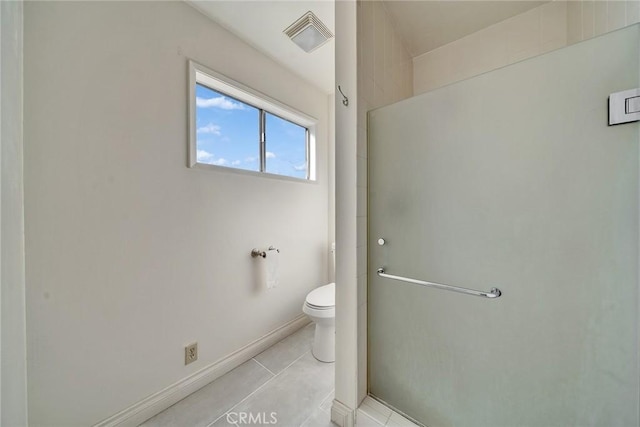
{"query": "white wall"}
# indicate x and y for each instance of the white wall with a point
(590, 18)
(130, 254)
(544, 28)
(531, 33)
(385, 69)
(13, 403)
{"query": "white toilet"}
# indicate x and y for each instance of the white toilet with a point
(320, 306)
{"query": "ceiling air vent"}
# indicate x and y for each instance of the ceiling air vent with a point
(308, 32)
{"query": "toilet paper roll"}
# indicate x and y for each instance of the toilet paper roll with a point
(272, 270)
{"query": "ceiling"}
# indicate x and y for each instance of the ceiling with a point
(261, 24)
(423, 25)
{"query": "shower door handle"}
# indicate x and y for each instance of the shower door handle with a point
(493, 293)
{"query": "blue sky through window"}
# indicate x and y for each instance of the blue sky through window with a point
(227, 131)
(228, 134)
(286, 147)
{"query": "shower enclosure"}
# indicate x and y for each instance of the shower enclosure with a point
(510, 180)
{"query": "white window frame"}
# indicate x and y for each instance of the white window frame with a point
(199, 74)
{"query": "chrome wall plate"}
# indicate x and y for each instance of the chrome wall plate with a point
(624, 107)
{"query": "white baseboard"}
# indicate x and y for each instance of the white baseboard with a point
(158, 402)
(342, 415)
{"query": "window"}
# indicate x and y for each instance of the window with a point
(237, 147)
(285, 152)
(238, 128)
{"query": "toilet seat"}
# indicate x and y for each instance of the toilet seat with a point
(319, 313)
(315, 307)
(322, 298)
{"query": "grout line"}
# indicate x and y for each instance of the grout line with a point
(581, 21)
(237, 404)
(370, 410)
(298, 358)
(307, 419)
(269, 370)
(258, 389)
(326, 397)
(319, 408)
(360, 412)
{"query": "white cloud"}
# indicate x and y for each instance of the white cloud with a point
(271, 155)
(203, 156)
(250, 159)
(235, 163)
(302, 167)
(219, 102)
(210, 128)
(220, 162)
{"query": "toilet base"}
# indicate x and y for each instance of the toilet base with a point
(324, 342)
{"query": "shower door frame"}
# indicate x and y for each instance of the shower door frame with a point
(371, 269)
(351, 334)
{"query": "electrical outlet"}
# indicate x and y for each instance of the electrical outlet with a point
(191, 353)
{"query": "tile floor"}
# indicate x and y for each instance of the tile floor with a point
(285, 379)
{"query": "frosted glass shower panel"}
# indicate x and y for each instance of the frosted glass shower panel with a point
(513, 180)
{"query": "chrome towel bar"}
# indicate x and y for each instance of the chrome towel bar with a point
(493, 293)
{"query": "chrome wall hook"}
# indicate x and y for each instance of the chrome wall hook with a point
(345, 100)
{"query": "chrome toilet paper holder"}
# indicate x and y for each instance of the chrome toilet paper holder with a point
(258, 253)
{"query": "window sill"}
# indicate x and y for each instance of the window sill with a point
(224, 169)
